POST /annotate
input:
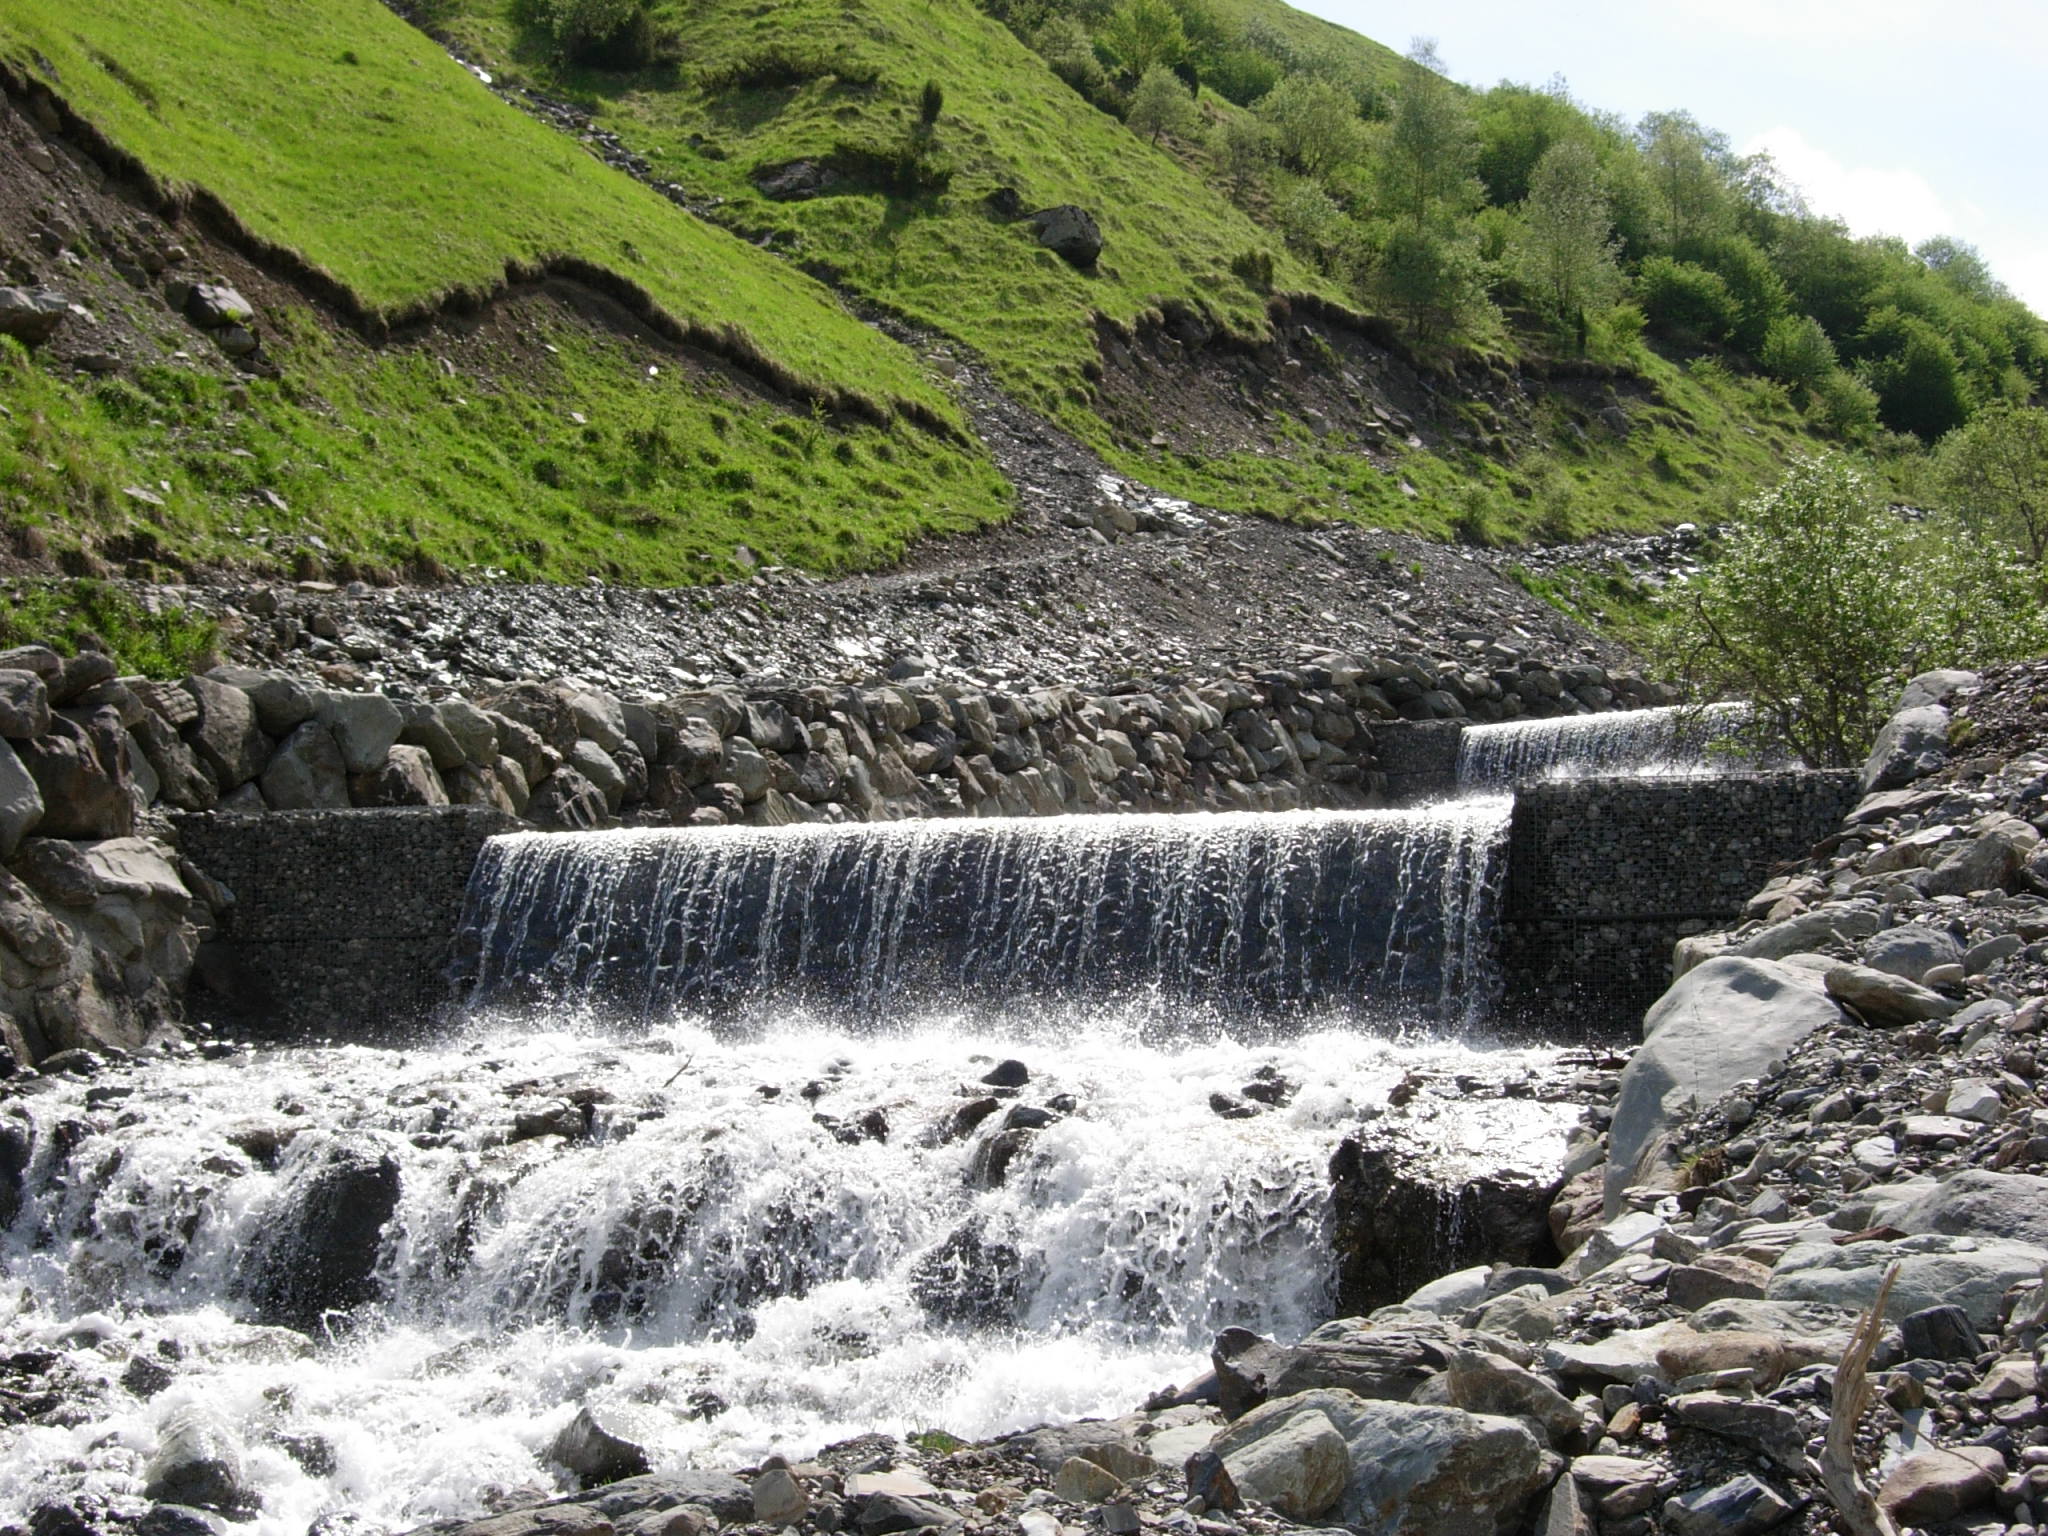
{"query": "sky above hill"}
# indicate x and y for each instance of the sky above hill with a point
(1904, 117)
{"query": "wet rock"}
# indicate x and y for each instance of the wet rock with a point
(1007, 1074)
(197, 1461)
(603, 1445)
(145, 1377)
(970, 1279)
(321, 1256)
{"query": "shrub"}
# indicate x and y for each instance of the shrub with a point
(1686, 302)
(1254, 269)
(931, 101)
(607, 34)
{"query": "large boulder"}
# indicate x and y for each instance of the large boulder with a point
(1300, 1468)
(1725, 1020)
(319, 1256)
(1070, 233)
(1976, 1202)
(1913, 743)
(224, 733)
(1936, 687)
(365, 726)
(1882, 998)
(472, 730)
(1991, 862)
(24, 704)
(31, 315)
(569, 801)
(182, 782)
(306, 772)
(21, 802)
(1911, 950)
(604, 1444)
(1934, 1270)
(280, 700)
(80, 770)
(406, 778)
(1808, 931)
(1416, 1470)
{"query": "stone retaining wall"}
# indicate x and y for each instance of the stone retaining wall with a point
(1606, 875)
(336, 922)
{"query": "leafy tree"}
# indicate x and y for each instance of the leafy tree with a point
(1427, 159)
(1797, 352)
(1161, 104)
(1567, 248)
(1961, 266)
(1845, 405)
(1993, 474)
(1066, 47)
(1431, 279)
(1142, 33)
(1243, 147)
(1813, 610)
(1241, 76)
(1516, 127)
(1315, 124)
(1313, 224)
(1686, 165)
(1757, 293)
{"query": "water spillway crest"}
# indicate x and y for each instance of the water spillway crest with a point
(1672, 741)
(1385, 913)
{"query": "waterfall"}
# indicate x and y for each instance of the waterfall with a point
(1387, 914)
(1493, 759)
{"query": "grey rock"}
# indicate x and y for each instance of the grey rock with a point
(198, 1461)
(1939, 1333)
(1760, 1425)
(605, 1444)
(1300, 1466)
(306, 772)
(1992, 862)
(32, 315)
(1969, 1272)
(24, 704)
(1936, 687)
(742, 765)
(569, 801)
(1081, 1481)
(181, 781)
(1885, 999)
(1911, 951)
(224, 733)
(1810, 931)
(425, 729)
(1485, 1383)
(1070, 233)
(282, 702)
(1913, 743)
(779, 1499)
(473, 731)
(1725, 1020)
(407, 778)
(21, 802)
(365, 727)
(215, 305)
(598, 716)
(39, 659)
(1977, 1202)
(80, 770)
(597, 765)
(1742, 1506)
(1933, 1486)
(1416, 1470)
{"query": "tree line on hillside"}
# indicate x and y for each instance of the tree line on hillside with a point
(1517, 217)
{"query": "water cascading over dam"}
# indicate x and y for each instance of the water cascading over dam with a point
(1673, 741)
(1380, 914)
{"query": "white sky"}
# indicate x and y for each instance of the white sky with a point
(1903, 117)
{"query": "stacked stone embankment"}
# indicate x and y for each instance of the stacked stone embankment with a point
(101, 916)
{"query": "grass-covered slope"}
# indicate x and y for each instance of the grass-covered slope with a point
(544, 443)
(331, 128)
(838, 81)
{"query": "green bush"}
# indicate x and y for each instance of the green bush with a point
(1686, 301)
(606, 34)
(1254, 269)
